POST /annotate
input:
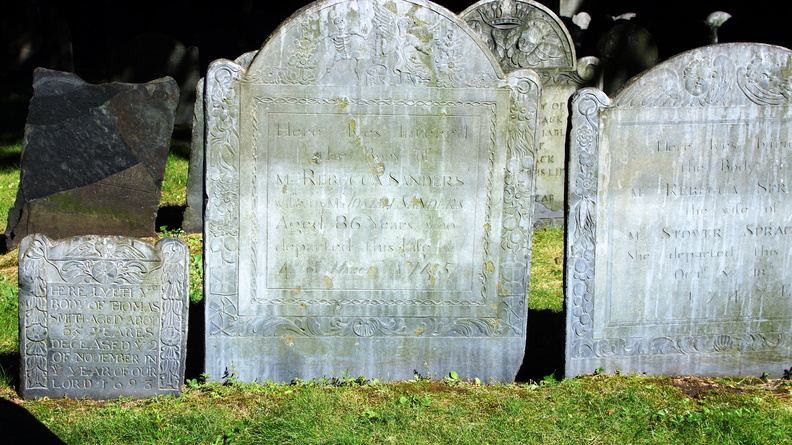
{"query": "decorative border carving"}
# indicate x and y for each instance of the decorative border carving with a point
(102, 260)
(714, 76)
(175, 286)
(221, 226)
(582, 216)
(660, 87)
(223, 316)
(33, 319)
(388, 48)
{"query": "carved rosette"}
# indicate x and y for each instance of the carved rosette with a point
(33, 320)
(222, 188)
(581, 222)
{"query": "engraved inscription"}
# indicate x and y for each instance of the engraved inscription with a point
(389, 176)
(727, 191)
(115, 310)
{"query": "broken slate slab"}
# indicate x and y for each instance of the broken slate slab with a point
(94, 157)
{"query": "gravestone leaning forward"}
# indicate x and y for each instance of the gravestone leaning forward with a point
(102, 317)
(94, 157)
(526, 34)
(679, 232)
(369, 180)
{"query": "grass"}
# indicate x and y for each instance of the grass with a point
(594, 409)
(547, 274)
(589, 410)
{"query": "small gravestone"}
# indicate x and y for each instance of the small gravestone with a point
(679, 234)
(526, 34)
(102, 317)
(369, 179)
(94, 157)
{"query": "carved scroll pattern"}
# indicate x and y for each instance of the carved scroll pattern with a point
(103, 260)
(174, 287)
(705, 77)
(222, 188)
(33, 298)
(581, 222)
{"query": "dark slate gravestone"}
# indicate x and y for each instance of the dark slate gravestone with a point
(369, 176)
(526, 34)
(102, 317)
(94, 157)
(679, 237)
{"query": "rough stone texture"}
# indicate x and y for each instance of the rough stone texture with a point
(94, 157)
(526, 34)
(102, 317)
(369, 180)
(678, 252)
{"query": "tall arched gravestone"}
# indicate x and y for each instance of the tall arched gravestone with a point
(369, 179)
(526, 34)
(679, 232)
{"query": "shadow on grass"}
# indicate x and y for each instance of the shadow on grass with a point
(9, 367)
(181, 140)
(544, 347)
(169, 217)
(194, 365)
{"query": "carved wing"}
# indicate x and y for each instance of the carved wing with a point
(384, 30)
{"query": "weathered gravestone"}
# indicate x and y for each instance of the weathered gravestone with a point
(526, 34)
(369, 180)
(192, 221)
(94, 157)
(102, 317)
(679, 232)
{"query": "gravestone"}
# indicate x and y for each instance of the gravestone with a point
(678, 252)
(526, 34)
(93, 159)
(369, 179)
(102, 317)
(192, 220)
